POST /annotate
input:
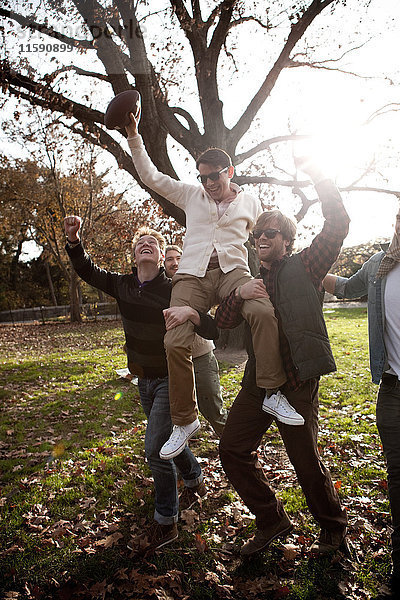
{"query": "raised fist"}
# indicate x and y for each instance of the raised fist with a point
(72, 225)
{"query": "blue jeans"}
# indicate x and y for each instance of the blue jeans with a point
(155, 403)
(388, 422)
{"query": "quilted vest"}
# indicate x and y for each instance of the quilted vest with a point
(299, 305)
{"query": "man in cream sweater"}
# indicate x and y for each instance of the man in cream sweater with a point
(219, 218)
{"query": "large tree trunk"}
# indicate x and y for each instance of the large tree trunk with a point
(50, 282)
(14, 265)
(74, 298)
(126, 60)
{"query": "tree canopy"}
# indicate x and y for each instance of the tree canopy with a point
(181, 57)
(36, 195)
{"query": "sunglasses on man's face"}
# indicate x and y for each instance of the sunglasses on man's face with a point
(214, 176)
(268, 233)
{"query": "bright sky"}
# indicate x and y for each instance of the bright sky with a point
(329, 105)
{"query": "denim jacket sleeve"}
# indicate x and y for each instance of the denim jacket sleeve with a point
(354, 286)
(363, 283)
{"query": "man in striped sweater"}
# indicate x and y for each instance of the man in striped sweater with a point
(143, 298)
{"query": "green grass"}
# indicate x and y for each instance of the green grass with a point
(73, 475)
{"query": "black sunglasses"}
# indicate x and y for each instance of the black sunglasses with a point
(268, 233)
(214, 176)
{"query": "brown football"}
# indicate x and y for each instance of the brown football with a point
(117, 113)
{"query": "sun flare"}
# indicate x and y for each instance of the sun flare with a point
(342, 150)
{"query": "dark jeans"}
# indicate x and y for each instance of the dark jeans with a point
(388, 422)
(242, 435)
(155, 403)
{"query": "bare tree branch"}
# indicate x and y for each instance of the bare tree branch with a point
(384, 110)
(185, 20)
(305, 203)
(45, 30)
(52, 76)
(325, 67)
(241, 20)
(326, 64)
(254, 179)
(248, 179)
(205, 59)
(107, 50)
(223, 26)
(368, 188)
(43, 95)
(188, 117)
(296, 33)
(291, 137)
(196, 10)
(328, 60)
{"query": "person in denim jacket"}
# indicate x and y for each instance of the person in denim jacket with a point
(379, 278)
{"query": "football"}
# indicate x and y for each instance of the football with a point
(117, 113)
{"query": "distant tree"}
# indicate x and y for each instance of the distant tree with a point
(36, 196)
(351, 259)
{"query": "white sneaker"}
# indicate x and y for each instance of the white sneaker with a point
(178, 438)
(278, 406)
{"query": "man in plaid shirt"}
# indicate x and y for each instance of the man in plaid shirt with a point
(293, 282)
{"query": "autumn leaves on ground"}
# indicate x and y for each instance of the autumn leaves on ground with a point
(76, 491)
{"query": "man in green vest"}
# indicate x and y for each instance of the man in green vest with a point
(293, 283)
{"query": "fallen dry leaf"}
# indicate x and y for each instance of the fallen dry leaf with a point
(200, 543)
(110, 540)
(290, 551)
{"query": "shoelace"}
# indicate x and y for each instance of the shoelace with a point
(280, 401)
(176, 433)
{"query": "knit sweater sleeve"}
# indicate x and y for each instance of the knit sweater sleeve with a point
(173, 190)
(91, 273)
(207, 328)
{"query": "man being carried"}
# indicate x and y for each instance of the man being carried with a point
(206, 371)
(294, 285)
(219, 218)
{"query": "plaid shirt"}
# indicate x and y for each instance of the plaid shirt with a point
(317, 260)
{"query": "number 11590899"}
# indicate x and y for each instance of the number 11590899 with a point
(45, 47)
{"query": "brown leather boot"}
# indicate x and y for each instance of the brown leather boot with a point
(263, 537)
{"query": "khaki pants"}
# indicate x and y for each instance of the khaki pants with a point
(201, 293)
